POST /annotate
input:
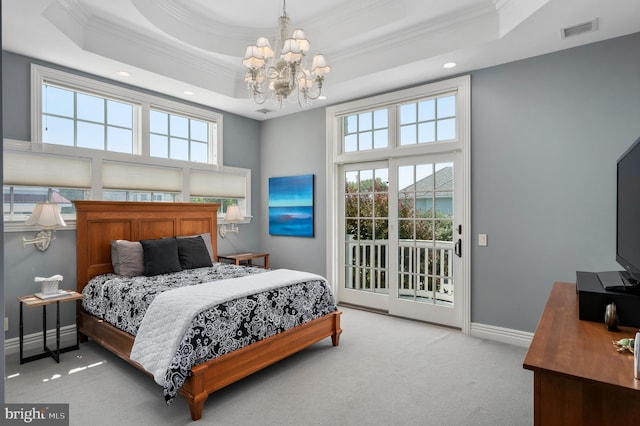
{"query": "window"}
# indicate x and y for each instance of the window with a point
(74, 111)
(163, 197)
(86, 121)
(224, 202)
(102, 139)
(177, 137)
(366, 130)
(416, 122)
(428, 120)
(19, 201)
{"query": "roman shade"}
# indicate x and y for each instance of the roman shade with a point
(29, 169)
(140, 177)
(216, 184)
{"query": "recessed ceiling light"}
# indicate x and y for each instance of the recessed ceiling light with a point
(188, 92)
(450, 65)
(123, 74)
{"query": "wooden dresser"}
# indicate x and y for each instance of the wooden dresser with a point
(578, 376)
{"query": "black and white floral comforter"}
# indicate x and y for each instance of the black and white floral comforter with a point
(123, 301)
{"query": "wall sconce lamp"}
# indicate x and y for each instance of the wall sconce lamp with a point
(233, 216)
(47, 215)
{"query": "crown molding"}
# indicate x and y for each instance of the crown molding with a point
(514, 12)
(122, 44)
(190, 26)
(426, 37)
(69, 17)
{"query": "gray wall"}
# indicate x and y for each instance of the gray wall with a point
(546, 134)
(21, 265)
(291, 146)
(242, 149)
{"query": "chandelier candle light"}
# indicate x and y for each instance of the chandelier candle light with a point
(269, 77)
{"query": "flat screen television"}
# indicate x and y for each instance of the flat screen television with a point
(628, 215)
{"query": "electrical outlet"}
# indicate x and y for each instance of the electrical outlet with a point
(6, 324)
(482, 240)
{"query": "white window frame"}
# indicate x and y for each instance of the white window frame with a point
(144, 101)
(97, 158)
(336, 157)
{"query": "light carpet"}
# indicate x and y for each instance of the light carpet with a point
(386, 371)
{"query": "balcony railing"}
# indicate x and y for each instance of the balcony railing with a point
(425, 269)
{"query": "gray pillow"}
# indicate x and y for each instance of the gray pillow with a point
(127, 258)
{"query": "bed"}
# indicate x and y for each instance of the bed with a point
(100, 222)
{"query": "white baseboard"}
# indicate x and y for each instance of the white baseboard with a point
(499, 334)
(33, 342)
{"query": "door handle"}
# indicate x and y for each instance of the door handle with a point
(458, 248)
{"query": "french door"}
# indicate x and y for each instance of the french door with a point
(398, 202)
(365, 235)
(402, 237)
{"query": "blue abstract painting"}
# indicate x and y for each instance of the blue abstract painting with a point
(291, 206)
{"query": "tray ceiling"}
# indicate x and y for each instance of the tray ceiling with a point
(374, 46)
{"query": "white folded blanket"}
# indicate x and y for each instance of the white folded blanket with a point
(170, 314)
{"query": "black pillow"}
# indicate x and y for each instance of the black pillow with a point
(193, 253)
(160, 256)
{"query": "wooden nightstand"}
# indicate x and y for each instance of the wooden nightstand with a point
(32, 301)
(246, 258)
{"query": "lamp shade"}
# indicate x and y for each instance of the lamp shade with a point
(46, 215)
(265, 48)
(233, 214)
(253, 57)
(301, 39)
(291, 51)
(319, 65)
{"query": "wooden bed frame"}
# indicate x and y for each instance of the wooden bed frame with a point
(99, 222)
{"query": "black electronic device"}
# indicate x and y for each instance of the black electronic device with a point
(628, 220)
(593, 300)
(620, 281)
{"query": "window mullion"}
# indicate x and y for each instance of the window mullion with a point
(105, 128)
(75, 119)
(189, 140)
(394, 127)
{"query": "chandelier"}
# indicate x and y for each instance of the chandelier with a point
(269, 77)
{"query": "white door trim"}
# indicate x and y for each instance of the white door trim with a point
(462, 86)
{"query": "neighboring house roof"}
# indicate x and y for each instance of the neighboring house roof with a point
(443, 182)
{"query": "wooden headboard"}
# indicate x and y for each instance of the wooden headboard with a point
(100, 222)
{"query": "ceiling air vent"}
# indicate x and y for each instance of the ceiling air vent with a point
(575, 30)
(265, 110)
